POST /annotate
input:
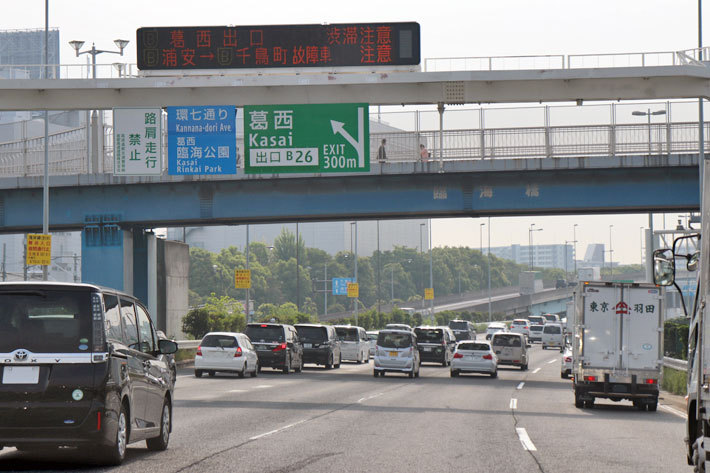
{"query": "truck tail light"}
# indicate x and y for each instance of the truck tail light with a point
(199, 351)
(280, 346)
(590, 378)
(650, 381)
(238, 353)
(458, 355)
(568, 359)
(488, 357)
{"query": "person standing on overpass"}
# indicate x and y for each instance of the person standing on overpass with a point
(381, 153)
(424, 153)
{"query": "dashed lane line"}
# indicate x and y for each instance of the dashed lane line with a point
(520, 386)
(525, 439)
(513, 403)
(536, 370)
(367, 398)
(551, 361)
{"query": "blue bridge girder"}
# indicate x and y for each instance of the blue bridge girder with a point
(392, 190)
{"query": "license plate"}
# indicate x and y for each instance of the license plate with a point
(20, 375)
(307, 345)
(427, 348)
(394, 353)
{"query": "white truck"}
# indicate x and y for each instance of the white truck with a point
(589, 274)
(618, 343)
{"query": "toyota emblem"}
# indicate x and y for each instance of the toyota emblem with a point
(21, 355)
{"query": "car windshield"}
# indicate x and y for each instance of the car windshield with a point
(45, 320)
(494, 329)
(474, 346)
(505, 340)
(536, 328)
(312, 334)
(265, 333)
(552, 329)
(537, 320)
(347, 334)
(394, 340)
(398, 326)
(520, 322)
(372, 336)
(219, 341)
(458, 325)
(429, 335)
(550, 317)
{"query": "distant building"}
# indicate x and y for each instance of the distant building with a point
(543, 256)
(23, 48)
(595, 255)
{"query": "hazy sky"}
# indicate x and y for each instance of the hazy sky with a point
(448, 29)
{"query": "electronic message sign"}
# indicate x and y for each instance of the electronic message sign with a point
(318, 138)
(271, 46)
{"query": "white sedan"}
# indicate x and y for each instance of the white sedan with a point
(474, 357)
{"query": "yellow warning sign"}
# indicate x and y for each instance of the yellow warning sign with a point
(428, 293)
(353, 290)
(39, 249)
(242, 278)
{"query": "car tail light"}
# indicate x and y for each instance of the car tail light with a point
(590, 378)
(650, 381)
(98, 420)
(238, 353)
(527, 328)
(458, 355)
(280, 346)
(264, 325)
(199, 351)
(488, 357)
(516, 361)
(568, 359)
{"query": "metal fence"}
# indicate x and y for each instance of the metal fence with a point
(68, 149)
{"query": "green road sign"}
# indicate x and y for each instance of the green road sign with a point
(306, 138)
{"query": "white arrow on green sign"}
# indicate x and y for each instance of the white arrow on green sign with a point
(306, 138)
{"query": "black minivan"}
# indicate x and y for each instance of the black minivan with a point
(320, 344)
(81, 366)
(277, 346)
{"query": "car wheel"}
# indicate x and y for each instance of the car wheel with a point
(444, 363)
(494, 374)
(173, 374)
(256, 371)
(210, 374)
(454, 373)
(359, 359)
(198, 373)
(287, 365)
(340, 360)
(544, 347)
(589, 404)
(243, 372)
(524, 367)
(329, 363)
(652, 407)
(563, 375)
(116, 452)
(160, 442)
(299, 368)
(698, 456)
(411, 373)
(416, 375)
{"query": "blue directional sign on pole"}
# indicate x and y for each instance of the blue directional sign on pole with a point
(340, 286)
(202, 140)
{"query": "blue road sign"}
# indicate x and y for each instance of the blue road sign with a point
(340, 286)
(202, 140)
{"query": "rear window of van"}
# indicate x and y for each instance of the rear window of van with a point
(312, 334)
(394, 340)
(552, 329)
(474, 346)
(506, 340)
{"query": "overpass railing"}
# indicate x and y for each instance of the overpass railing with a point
(68, 149)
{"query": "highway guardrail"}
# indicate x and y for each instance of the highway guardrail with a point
(680, 365)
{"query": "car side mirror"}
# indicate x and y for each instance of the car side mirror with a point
(167, 347)
(663, 267)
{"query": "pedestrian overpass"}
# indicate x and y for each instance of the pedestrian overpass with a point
(475, 171)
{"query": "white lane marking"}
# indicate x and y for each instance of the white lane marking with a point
(263, 386)
(551, 361)
(525, 440)
(276, 431)
(513, 403)
(237, 390)
(536, 370)
(363, 399)
(673, 411)
(520, 386)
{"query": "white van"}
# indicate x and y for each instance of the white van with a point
(354, 343)
(552, 336)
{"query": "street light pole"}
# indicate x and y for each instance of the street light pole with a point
(574, 256)
(611, 254)
(431, 274)
(531, 247)
(422, 226)
(489, 270)
(45, 185)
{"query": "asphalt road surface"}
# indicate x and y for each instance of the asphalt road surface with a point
(345, 420)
